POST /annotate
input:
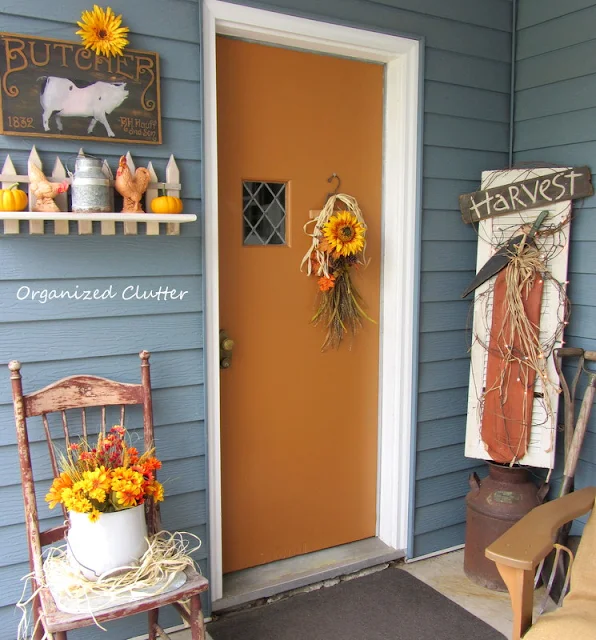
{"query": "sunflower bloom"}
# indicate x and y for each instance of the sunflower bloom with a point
(101, 32)
(344, 234)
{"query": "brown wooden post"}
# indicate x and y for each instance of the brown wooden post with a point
(153, 515)
(147, 402)
(197, 621)
(30, 504)
(153, 620)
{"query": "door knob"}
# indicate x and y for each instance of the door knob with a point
(226, 344)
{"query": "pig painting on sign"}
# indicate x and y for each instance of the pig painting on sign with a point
(62, 98)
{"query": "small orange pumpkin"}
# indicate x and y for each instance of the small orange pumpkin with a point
(166, 204)
(13, 199)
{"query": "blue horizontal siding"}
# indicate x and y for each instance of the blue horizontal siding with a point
(441, 286)
(464, 70)
(440, 256)
(563, 130)
(443, 538)
(484, 14)
(436, 434)
(466, 102)
(556, 66)
(442, 225)
(553, 99)
(458, 164)
(452, 374)
(566, 30)
(150, 256)
(533, 12)
(443, 345)
(554, 122)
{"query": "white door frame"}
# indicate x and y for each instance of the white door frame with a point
(398, 318)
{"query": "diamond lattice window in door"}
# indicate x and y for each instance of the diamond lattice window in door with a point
(264, 213)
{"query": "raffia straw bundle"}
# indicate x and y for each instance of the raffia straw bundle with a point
(166, 558)
(525, 266)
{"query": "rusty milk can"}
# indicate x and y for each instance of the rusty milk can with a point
(493, 506)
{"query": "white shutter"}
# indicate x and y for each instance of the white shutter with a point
(496, 231)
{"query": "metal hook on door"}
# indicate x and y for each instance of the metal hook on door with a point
(334, 176)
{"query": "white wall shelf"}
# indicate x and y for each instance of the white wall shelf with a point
(130, 221)
(172, 221)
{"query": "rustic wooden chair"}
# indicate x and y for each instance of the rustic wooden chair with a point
(519, 551)
(83, 392)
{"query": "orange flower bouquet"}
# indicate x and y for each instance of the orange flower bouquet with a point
(338, 246)
(109, 476)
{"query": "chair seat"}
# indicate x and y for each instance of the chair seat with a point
(575, 620)
(56, 620)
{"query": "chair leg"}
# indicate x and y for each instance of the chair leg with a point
(153, 616)
(38, 632)
(197, 621)
(520, 585)
(60, 635)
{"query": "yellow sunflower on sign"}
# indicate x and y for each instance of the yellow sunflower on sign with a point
(101, 32)
(344, 234)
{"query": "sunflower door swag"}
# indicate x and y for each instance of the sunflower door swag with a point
(338, 246)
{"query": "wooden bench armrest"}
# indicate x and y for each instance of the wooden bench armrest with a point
(531, 539)
(520, 549)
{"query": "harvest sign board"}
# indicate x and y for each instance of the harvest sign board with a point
(538, 191)
(59, 89)
(495, 231)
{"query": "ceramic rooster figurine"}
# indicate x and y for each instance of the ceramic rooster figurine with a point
(44, 190)
(130, 187)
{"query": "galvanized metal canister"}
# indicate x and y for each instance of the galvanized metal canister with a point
(494, 505)
(90, 189)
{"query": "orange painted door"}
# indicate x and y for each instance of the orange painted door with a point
(299, 427)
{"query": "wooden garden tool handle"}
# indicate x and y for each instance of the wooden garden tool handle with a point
(568, 393)
(570, 352)
(579, 433)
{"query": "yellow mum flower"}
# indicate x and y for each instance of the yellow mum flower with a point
(127, 486)
(155, 489)
(54, 495)
(94, 515)
(344, 234)
(101, 32)
(96, 483)
(74, 500)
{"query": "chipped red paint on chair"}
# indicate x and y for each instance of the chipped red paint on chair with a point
(83, 392)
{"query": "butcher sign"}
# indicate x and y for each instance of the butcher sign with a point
(59, 89)
(536, 191)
